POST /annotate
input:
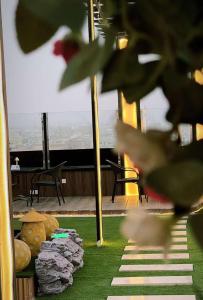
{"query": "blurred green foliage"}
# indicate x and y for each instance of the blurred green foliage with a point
(172, 31)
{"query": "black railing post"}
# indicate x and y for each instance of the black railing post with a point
(95, 130)
(45, 141)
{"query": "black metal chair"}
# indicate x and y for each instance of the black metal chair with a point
(51, 177)
(19, 197)
(119, 178)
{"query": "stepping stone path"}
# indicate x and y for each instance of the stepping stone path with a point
(179, 227)
(149, 248)
(182, 222)
(179, 248)
(156, 267)
(179, 239)
(174, 240)
(155, 256)
(179, 233)
(152, 280)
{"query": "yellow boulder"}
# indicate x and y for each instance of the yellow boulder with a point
(33, 234)
(50, 224)
(22, 255)
(33, 230)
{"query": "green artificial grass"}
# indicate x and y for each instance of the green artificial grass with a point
(93, 281)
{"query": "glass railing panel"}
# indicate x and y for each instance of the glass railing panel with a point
(107, 120)
(25, 139)
(25, 132)
(70, 130)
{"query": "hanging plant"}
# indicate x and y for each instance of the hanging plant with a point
(171, 31)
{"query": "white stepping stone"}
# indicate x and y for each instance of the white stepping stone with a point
(183, 222)
(179, 227)
(155, 267)
(179, 239)
(179, 233)
(164, 297)
(155, 256)
(152, 281)
(154, 248)
(174, 240)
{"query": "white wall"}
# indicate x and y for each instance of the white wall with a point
(32, 80)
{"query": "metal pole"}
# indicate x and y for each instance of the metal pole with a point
(6, 237)
(194, 132)
(45, 141)
(138, 112)
(96, 137)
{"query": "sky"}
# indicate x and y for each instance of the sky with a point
(32, 87)
(33, 79)
(32, 83)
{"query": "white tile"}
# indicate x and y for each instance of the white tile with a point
(179, 227)
(179, 233)
(179, 239)
(183, 222)
(174, 240)
(164, 297)
(131, 241)
(152, 281)
(156, 267)
(155, 256)
(154, 248)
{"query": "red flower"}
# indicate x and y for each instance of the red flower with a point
(66, 48)
(154, 195)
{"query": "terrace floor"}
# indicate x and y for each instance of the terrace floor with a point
(86, 205)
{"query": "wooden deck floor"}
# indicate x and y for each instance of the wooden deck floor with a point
(86, 205)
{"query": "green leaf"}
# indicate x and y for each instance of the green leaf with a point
(32, 32)
(123, 68)
(180, 210)
(192, 51)
(58, 13)
(185, 97)
(124, 72)
(196, 222)
(110, 7)
(88, 62)
(181, 182)
(168, 20)
(137, 92)
(192, 151)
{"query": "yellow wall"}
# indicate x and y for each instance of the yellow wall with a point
(129, 116)
(199, 131)
(198, 75)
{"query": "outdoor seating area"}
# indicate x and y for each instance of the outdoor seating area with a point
(54, 180)
(101, 150)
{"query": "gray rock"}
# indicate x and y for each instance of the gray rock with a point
(67, 248)
(53, 288)
(56, 263)
(54, 272)
(73, 235)
(51, 259)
